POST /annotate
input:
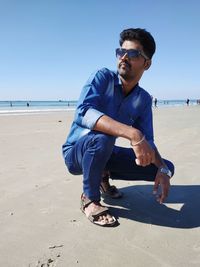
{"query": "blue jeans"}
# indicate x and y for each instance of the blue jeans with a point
(95, 152)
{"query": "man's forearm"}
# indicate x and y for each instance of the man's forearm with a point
(112, 127)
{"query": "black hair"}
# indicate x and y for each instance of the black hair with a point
(144, 37)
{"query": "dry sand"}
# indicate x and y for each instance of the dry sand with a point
(40, 220)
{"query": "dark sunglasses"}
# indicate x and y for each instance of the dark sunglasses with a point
(131, 53)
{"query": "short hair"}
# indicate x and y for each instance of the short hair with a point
(144, 37)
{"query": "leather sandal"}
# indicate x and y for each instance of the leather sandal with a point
(111, 191)
(94, 216)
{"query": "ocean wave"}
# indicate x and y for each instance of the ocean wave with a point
(32, 111)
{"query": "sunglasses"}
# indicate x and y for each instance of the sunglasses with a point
(131, 53)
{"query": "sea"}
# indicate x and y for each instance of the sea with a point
(17, 107)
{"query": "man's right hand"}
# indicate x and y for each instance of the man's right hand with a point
(145, 155)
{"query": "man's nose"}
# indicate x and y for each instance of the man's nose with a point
(125, 57)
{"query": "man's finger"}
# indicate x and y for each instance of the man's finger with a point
(138, 162)
(155, 187)
(143, 161)
(165, 191)
(147, 160)
(162, 198)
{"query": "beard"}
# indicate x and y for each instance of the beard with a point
(125, 71)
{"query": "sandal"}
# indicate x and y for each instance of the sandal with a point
(94, 216)
(112, 190)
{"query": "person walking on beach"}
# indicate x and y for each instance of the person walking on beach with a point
(188, 102)
(155, 102)
(111, 105)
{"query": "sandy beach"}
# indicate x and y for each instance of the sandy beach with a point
(40, 219)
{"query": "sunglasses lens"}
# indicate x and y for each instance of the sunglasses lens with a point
(120, 52)
(132, 53)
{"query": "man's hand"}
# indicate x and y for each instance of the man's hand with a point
(163, 181)
(145, 155)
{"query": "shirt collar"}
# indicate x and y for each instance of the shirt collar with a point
(135, 88)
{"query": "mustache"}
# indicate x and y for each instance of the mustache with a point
(124, 62)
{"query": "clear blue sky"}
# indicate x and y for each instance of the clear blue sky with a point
(49, 48)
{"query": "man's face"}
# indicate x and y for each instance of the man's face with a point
(132, 68)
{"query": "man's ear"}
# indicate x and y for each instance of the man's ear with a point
(147, 64)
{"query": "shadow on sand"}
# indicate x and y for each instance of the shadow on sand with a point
(181, 209)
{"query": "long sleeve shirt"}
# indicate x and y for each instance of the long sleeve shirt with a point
(103, 95)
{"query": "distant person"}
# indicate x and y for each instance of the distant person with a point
(188, 102)
(152, 100)
(11, 104)
(112, 104)
(155, 102)
(27, 104)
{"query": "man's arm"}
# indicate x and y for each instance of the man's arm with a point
(161, 179)
(145, 155)
(143, 151)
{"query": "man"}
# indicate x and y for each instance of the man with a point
(112, 104)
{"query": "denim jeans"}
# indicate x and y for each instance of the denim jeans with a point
(95, 152)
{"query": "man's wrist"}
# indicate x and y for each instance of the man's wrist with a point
(165, 170)
(135, 136)
(139, 142)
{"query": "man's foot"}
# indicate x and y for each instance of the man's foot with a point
(107, 189)
(97, 213)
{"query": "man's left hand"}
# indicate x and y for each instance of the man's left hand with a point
(163, 181)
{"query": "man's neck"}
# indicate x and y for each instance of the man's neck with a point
(127, 86)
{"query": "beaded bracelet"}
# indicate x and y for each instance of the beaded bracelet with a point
(142, 139)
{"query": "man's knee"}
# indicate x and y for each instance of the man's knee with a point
(73, 168)
(103, 142)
